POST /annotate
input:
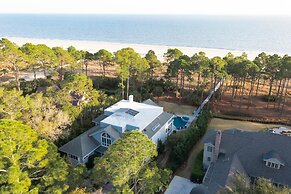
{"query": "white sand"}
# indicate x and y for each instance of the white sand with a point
(94, 46)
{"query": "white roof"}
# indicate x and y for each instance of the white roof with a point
(135, 114)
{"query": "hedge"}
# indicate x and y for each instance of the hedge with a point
(181, 143)
(197, 171)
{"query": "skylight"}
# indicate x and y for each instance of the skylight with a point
(132, 112)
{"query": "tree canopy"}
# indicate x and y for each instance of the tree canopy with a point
(28, 163)
(13, 58)
(128, 165)
(37, 111)
(130, 64)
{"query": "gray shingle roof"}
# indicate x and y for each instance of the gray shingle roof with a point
(112, 132)
(249, 149)
(150, 102)
(221, 173)
(81, 145)
(200, 189)
(159, 121)
(99, 118)
(101, 149)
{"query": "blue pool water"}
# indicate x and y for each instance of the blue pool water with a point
(180, 122)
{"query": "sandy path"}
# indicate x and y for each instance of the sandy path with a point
(186, 170)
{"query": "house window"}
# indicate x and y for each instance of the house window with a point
(209, 148)
(73, 157)
(105, 140)
(168, 129)
(208, 159)
(272, 165)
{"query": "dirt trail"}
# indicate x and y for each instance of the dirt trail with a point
(186, 169)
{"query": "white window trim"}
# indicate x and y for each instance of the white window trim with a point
(273, 165)
(107, 138)
(208, 148)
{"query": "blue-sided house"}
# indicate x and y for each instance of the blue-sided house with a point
(125, 115)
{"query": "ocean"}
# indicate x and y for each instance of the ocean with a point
(270, 34)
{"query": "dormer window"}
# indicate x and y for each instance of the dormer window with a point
(273, 160)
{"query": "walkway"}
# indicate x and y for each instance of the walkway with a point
(200, 108)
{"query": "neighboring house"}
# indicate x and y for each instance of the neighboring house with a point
(281, 131)
(254, 154)
(180, 185)
(125, 115)
(43, 89)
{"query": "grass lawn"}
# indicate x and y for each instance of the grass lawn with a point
(222, 124)
(176, 108)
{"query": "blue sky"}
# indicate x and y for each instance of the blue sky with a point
(200, 7)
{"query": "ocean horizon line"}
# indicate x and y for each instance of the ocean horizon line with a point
(166, 15)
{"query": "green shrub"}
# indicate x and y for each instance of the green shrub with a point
(29, 87)
(197, 171)
(192, 98)
(107, 84)
(160, 146)
(181, 143)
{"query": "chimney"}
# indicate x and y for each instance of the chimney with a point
(217, 145)
(130, 98)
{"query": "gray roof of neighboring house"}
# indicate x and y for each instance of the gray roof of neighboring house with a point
(81, 145)
(180, 185)
(244, 151)
(221, 173)
(43, 89)
(160, 120)
(200, 189)
(150, 102)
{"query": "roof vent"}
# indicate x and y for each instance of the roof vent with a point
(130, 98)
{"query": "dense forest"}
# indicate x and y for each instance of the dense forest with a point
(41, 114)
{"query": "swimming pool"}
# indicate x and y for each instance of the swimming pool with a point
(180, 122)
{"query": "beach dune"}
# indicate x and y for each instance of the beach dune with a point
(94, 46)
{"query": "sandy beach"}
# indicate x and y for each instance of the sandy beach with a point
(94, 46)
